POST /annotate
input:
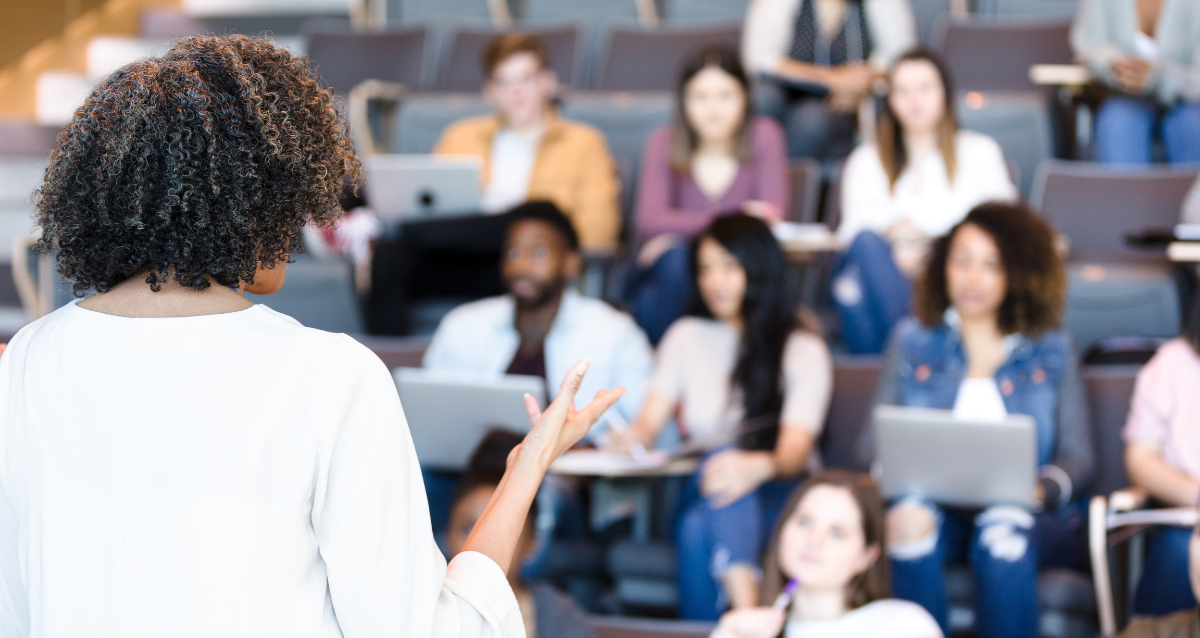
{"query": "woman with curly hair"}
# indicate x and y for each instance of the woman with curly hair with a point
(986, 343)
(178, 461)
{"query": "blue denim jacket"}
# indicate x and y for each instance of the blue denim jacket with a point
(925, 366)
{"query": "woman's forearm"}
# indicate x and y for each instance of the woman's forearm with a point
(790, 457)
(1148, 471)
(803, 71)
(498, 529)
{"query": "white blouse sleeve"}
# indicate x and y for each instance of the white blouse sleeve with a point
(766, 34)
(995, 182)
(371, 519)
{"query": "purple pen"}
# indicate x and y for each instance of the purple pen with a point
(785, 598)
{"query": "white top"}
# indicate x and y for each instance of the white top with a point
(924, 193)
(223, 475)
(696, 358)
(768, 31)
(881, 619)
(979, 400)
(480, 337)
(513, 156)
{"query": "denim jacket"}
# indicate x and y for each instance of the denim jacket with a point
(924, 367)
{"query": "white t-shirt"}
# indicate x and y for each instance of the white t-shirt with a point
(233, 475)
(924, 193)
(513, 156)
(881, 619)
(979, 400)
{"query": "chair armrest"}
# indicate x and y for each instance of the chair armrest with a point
(1068, 75)
(1128, 499)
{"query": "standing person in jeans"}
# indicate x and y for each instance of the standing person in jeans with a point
(819, 59)
(529, 153)
(920, 176)
(1162, 457)
(745, 381)
(985, 344)
(714, 158)
(1148, 53)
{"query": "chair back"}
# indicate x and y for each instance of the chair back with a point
(1109, 391)
(804, 176)
(854, 381)
(1048, 9)
(1095, 205)
(318, 293)
(1019, 122)
(422, 118)
(462, 65)
(344, 57)
(623, 627)
(693, 12)
(625, 119)
(623, 67)
(995, 55)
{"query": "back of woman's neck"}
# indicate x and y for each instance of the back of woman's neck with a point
(134, 298)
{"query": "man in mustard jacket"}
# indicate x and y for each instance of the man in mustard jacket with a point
(529, 152)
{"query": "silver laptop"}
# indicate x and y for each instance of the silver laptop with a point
(931, 454)
(449, 413)
(413, 187)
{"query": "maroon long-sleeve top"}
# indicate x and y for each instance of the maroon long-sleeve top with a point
(670, 202)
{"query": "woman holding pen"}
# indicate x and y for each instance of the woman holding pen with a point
(740, 373)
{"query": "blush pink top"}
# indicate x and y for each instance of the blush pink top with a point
(670, 202)
(1166, 406)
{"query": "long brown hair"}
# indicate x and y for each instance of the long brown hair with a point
(869, 586)
(889, 136)
(683, 137)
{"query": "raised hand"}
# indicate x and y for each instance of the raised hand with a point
(561, 426)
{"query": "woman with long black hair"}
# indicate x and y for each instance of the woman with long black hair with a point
(741, 376)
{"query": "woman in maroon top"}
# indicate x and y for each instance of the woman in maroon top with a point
(716, 157)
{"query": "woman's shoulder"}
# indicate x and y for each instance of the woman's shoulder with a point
(807, 344)
(897, 619)
(863, 160)
(763, 127)
(1176, 353)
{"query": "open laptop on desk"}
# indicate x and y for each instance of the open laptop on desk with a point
(449, 413)
(402, 188)
(931, 454)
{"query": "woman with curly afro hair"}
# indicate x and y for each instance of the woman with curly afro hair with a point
(178, 461)
(986, 343)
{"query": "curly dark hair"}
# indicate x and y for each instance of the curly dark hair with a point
(199, 166)
(1037, 282)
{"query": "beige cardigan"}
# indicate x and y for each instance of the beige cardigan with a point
(1104, 30)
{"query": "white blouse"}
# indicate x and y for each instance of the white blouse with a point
(222, 475)
(881, 619)
(924, 193)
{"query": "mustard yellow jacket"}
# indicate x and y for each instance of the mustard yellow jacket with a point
(573, 169)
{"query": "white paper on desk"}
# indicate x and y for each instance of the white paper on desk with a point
(791, 231)
(604, 463)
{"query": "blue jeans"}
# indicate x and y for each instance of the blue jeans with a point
(1165, 587)
(871, 293)
(660, 294)
(709, 540)
(1126, 127)
(1005, 547)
